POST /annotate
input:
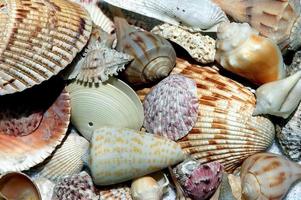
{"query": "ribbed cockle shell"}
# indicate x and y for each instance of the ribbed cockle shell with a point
(242, 51)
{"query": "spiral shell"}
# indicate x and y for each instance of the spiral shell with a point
(22, 152)
(119, 155)
(146, 188)
(38, 40)
(242, 51)
(268, 176)
(154, 57)
(112, 103)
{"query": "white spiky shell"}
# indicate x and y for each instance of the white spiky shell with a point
(67, 160)
(39, 39)
(193, 14)
(119, 154)
(112, 103)
(279, 98)
(171, 108)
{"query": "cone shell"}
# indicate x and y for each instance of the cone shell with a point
(22, 152)
(38, 40)
(118, 193)
(171, 108)
(67, 160)
(119, 155)
(112, 103)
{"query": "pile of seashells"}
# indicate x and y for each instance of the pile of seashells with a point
(150, 99)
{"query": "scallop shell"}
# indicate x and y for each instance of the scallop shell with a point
(22, 152)
(38, 40)
(275, 19)
(195, 14)
(118, 193)
(112, 103)
(118, 154)
(67, 160)
(242, 51)
(171, 108)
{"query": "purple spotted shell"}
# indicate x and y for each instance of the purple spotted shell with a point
(171, 108)
(199, 181)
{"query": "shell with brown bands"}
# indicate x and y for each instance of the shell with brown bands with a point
(38, 39)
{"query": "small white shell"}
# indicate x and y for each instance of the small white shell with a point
(45, 187)
(171, 108)
(146, 188)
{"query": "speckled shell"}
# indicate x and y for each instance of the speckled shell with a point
(78, 186)
(22, 152)
(116, 193)
(242, 51)
(119, 155)
(171, 108)
(278, 20)
(267, 176)
(154, 57)
(67, 160)
(38, 40)
(199, 181)
(112, 103)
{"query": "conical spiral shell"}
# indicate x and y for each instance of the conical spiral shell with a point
(38, 40)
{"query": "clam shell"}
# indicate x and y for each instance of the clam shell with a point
(38, 40)
(118, 193)
(112, 103)
(119, 154)
(22, 152)
(171, 108)
(67, 160)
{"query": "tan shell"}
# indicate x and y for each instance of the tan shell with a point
(116, 193)
(38, 39)
(21, 153)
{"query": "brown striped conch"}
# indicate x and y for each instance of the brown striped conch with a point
(119, 154)
(38, 40)
(266, 176)
(279, 98)
(242, 51)
(275, 19)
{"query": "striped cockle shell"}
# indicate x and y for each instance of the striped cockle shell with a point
(67, 160)
(118, 154)
(22, 152)
(225, 130)
(112, 103)
(171, 108)
(38, 40)
(115, 193)
(266, 176)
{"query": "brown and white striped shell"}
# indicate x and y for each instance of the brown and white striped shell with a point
(225, 130)
(38, 39)
(22, 152)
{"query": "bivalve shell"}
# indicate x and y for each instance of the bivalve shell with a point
(38, 40)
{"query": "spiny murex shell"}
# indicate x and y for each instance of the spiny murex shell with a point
(242, 51)
(67, 160)
(119, 155)
(38, 40)
(200, 47)
(171, 108)
(112, 103)
(194, 14)
(225, 130)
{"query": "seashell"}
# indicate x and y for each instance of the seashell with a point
(19, 152)
(268, 176)
(116, 193)
(200, 47)
(295, 66)
(171, 108)
(112, 103)
(199, 181)
(78, 186)
(195, 14)
(45, 187)
(14, 185)
(127, 154)
(277, 20)
(39, 39)
(279, 98)
(230, 187)
(154, 57)
(242, 51)
(67, 160)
